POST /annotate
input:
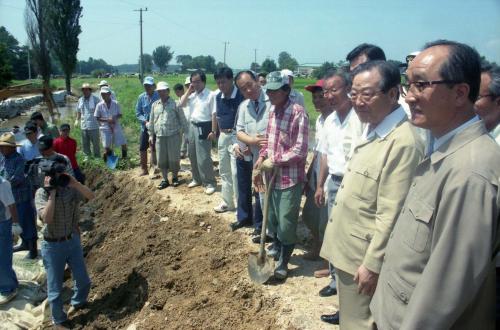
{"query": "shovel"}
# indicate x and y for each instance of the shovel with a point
(260, 267)
(112, 160)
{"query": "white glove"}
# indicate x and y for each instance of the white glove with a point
(77, 122)
(267, 165)
(16, 229)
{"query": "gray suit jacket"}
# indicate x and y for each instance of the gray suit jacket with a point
(438, 271)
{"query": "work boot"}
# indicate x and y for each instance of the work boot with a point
(274, 249)
(124, 153)
(144, 163)
(33, 250)
(23, 246)
(281, 271)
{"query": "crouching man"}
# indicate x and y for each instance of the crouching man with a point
(57, 204)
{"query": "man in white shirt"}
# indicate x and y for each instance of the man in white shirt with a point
(201, 103)
(487, 105)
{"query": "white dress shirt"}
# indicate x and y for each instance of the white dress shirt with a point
(201, 105)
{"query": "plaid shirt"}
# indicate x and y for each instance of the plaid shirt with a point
(166, 119)
(12, 169)
(287, 140)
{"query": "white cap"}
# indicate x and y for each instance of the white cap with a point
(105, 90)
(287, 72)
(148, 81)
(103, 83)
(161, 86)
(187, 81)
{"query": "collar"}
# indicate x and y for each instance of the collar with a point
(203, 92)
(335, 117)
(461, 137)
(443, 139)
(496, 132)
(387, 125)
(233, 94)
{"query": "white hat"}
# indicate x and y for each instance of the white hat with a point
(161, 86)
(103, 83)
(148, 81)
(105, 90)
(187, 81)
(287, 72)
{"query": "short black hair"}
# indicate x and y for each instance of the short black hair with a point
(341, 72)
(463, 65)
(37, 115)
(224, 72)
(248, 72)
(371, 51)
(262, 74)
(200, 73)
(178, 87)
(30, 126)
(388, 71)
(45, 142)
(493, 71)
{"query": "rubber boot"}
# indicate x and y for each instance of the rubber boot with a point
(23, 246)
(144, 162)
(274, 249)
(33, 250)
(124, 153)
(281, 271)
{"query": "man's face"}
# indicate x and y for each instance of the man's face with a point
(225, 85)
(371, 105)
(319, 101)
(357, 61)
(335, 91)
(262, 81)
(164, 93)
(30, 135)
(248, 87)
(106, 97)
(179, 92)
(198, 85)
(65, 132)
(150, 89)
(277, 97)
(487, 106)
(432, 107)
(86, 92)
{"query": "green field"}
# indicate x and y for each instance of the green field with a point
(127, 90)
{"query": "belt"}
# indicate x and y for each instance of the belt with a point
(226, 130)
(336, 177)
(57, 240)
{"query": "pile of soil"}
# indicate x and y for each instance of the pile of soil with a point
(154, 266)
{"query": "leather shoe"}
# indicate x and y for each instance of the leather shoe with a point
(327, 291)
(256, 239)
(237, 225)
(331, 318)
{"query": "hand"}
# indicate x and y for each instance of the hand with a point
(46, 181)
(266, 166)
(237, 151)
(259, 140)
(319, 197)
(211, 136)
(257, 164)
(150, 141)
(111, 121)
(191, 88)
(367, 281)
(258, 182)
(16, 229)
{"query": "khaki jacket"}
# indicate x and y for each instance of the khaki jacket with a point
(166, 119)
(439, 267)
(370, 197)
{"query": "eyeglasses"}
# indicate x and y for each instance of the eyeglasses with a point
(421, 85)
(332, 90)
(485, 95)
(364, 96)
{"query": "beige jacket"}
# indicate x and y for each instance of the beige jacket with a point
(439, 267)
(370, 197)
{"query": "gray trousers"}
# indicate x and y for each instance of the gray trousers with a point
(168, 154)
(202, 166)
(91, 136)
(333, 186)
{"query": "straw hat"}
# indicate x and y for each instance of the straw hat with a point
(8, 140)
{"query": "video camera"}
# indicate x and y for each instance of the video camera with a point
(54, 168)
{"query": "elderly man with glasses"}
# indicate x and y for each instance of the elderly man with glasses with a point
(372, 191)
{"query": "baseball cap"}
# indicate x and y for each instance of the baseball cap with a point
(105, 90)
(45, 142)
(162, 86)
(287, 72)
(148, 81)
(30, 128)
(276, 80)
(64, 127)
(187, 81)
(103, 83)
(312, 88)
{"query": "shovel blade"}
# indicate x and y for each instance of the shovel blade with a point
(112, 161)
(260, 269)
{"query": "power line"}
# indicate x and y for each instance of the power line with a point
(225, 46)
(141, 64)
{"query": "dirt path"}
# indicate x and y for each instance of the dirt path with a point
(165, 260)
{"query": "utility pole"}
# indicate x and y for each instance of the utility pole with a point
(29, 65)
(141, 65)
(255, 55)
(225, 46)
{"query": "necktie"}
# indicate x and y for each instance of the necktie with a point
(256, 104)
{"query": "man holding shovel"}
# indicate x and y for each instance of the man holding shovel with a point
(285, 152)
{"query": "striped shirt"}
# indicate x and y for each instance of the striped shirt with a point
(287, 141)
(12, 169)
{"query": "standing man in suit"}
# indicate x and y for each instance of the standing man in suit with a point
(439, 268)
(372, 191)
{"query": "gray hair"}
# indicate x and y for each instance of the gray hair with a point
(494, 72)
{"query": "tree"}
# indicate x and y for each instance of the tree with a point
(147, 62)
(268, 65)
(63, 28)
(255, 67)
(35, 14)
(5, 67)
(206, 63)
(161, 56)
(184, 61)
(286, 61)
(16, 55)
(320, 72)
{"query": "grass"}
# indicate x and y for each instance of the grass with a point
(127, 90)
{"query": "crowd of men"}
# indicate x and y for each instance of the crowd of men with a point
(401, 195)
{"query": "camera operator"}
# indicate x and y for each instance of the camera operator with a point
(57, 204)
(45, 144)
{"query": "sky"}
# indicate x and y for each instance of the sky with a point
(312, 31)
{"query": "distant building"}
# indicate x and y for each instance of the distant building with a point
(306, 69)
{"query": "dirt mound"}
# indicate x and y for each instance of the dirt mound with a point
(154, 266)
